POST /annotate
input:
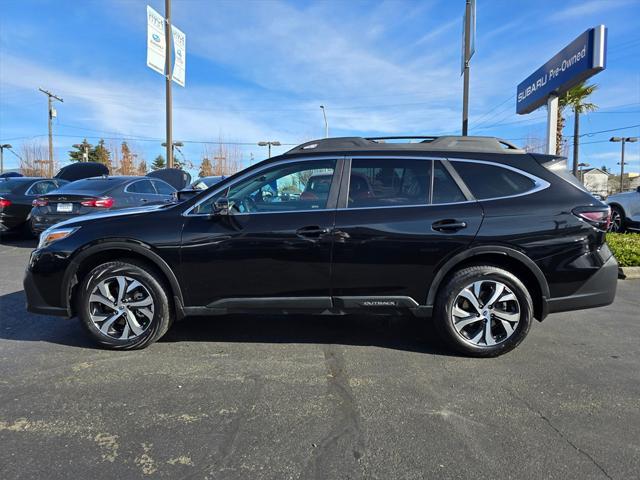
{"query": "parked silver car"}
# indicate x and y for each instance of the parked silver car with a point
(625, 211)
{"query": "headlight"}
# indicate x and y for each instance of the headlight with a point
(53, 234)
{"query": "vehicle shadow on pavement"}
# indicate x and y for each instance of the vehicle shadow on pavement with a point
(399, 333)
(19, 325)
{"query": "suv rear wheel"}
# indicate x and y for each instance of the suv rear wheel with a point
(483, 311)
(123, 305)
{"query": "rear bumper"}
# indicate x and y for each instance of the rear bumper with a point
(598, 291)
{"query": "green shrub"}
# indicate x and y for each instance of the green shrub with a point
(626, 248)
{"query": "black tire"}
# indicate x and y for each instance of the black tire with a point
(617, 225)
(162, 309)
(443, 318)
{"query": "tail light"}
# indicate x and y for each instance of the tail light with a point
(599, 217)
(4, 203)
(103, 202)
(40, 202)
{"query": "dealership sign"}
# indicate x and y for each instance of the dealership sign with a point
(156, 41)
(579, 60)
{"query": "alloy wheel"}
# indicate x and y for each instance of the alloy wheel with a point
(485, 313)
(121, 307)
(616, 221)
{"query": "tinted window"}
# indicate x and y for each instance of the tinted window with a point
(95, 185)
(445, 189)
(281, 188)
(141, 186)
(163, 188)
(11, 186)
(41, 188)
(488, 181)
(389, 182)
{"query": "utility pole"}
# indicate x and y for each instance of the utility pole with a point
(466, 58)
(50, 98)
(2, 147)
(167, 68)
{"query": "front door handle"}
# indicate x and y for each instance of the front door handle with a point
(312, 231)
(448, 225)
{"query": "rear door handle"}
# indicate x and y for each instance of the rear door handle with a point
(448, 225)
(312, 231)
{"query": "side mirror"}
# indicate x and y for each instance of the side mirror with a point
(222, 206)
(638, 189)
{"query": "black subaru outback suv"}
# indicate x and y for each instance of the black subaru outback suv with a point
(471, 231)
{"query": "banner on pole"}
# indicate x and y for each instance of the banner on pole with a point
(180, 53)
(155, 41)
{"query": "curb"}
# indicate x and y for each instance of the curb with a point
(628, 273)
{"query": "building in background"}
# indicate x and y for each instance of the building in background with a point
(596, 181)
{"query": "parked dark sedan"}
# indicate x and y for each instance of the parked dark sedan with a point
(97, 194)
(16, 195)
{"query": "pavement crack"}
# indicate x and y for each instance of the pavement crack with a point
(344, 443)
(560, 433)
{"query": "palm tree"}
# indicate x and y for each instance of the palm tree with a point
(575, 98)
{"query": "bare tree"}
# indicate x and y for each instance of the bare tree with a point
(35, 159)
(225, 159)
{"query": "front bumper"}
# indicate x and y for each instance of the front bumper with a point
(599, 290)
(36, 303)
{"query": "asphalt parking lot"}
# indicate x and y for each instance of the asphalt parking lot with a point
(316, 398)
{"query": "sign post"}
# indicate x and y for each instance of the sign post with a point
(160, 32)
(468, 49)
(581, 59)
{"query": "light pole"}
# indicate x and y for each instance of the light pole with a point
(623, 140)
(326, 124)
(174, 145)
(581, 166)
(275, 143)
(84, 147)
(2, 147)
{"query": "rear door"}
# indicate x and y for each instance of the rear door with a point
(164, 191)
(398, 219)
(139, 193)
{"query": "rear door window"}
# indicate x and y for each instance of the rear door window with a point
(445, 189)
(163, 188)
(141, 186)
(489, 181)
(389, 182)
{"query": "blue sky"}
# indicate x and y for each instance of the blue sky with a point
(258, 70)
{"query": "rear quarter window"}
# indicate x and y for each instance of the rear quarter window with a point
(489, 181)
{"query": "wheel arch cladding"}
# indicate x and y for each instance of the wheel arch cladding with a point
(503, 257)
(95, 255)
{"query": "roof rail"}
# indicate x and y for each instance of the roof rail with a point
(425, 139)
(427, 143)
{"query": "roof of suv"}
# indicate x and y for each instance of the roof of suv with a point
(424, 143)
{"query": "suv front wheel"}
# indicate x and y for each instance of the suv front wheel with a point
(123, 305)
(483, 311)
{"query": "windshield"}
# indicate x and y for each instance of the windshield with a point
(90, 185)
(11, 186)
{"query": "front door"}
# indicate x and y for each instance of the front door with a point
(401, 218)
(274, 247)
